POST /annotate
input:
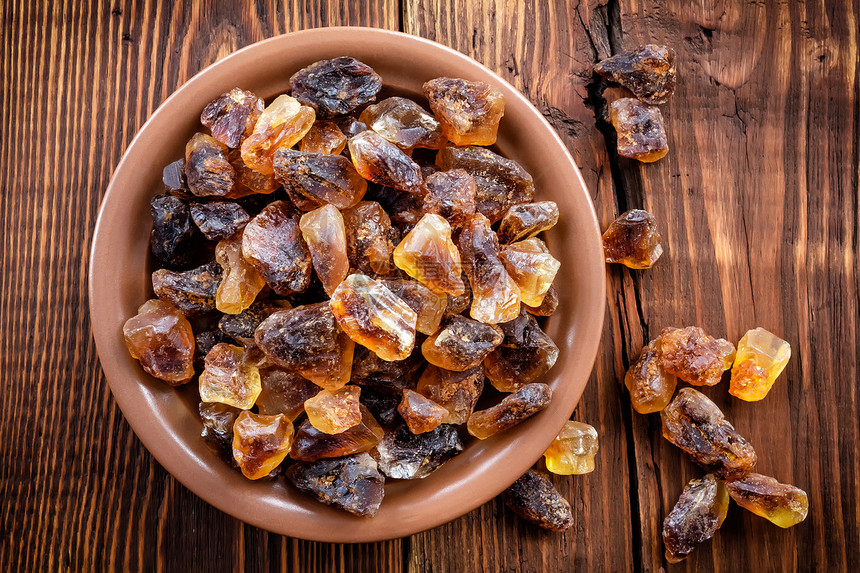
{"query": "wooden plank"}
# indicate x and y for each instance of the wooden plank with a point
(757, 204)
(545, 49)
(79, 492)
(758, 208)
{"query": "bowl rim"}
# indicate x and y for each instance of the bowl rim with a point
(155, 441)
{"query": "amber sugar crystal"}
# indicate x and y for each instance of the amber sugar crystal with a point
(284, 392)
(428, 255)
(160, 337)
(512, 410)
(228, 378)
(421, 413)
(639, 129)
(323, 137)
(573, 450)
(312, 444)
(650, 386)
(469, 112)
(761, 358)
(240, 282)
(633, 240)
(374, 317)
(382, 162)
(404, 123)
(695, 357)
(429, 306)
(334, 411)
(282, 124)
(461, 343)
(260, 443)
(532, 267)
(450, 194)
(526, 220)
(368, 238)
(533, 497)
(325, 235)
(779, 503)
(495, 294)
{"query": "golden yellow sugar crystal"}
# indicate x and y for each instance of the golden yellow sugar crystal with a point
(573, 450)
(761, 358)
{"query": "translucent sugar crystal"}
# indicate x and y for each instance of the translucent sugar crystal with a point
(760, 359)
(512, 410)
(428, 255)
(573, 450)
(779, 503)
(461, 343)
(240, 282)
(282, 124)
(160, 337)
(633, 240)
(650, 386)
(640, 130)
(420, 413)
(469, 112)
(495, 294)
(324, 233)
(532, 267)
(404, 123)
(334, 411)
(374, 317)
(228, 378)
(260, 443)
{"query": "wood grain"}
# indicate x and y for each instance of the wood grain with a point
(757, 203)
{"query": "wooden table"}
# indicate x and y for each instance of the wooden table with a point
(757, 203)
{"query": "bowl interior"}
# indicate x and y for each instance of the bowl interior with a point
(166, 419)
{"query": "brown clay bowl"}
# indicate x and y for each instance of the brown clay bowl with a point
(165, 419)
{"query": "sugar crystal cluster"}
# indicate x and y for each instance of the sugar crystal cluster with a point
(342, 278)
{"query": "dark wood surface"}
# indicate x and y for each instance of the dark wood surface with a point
(757, 203)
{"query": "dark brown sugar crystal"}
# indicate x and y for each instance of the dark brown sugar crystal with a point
(533, 497)
(219, 219)
(174, 239)
(335, 87)
(648, 71)
(232, 116)
(500, 182)
(192, 292)
(273, 244)
(696, 425)
(207, 168)
(315, 179)
(351, 483)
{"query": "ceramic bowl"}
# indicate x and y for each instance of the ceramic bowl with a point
(165, 419)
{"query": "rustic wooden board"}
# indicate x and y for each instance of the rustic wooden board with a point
(757, 203)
